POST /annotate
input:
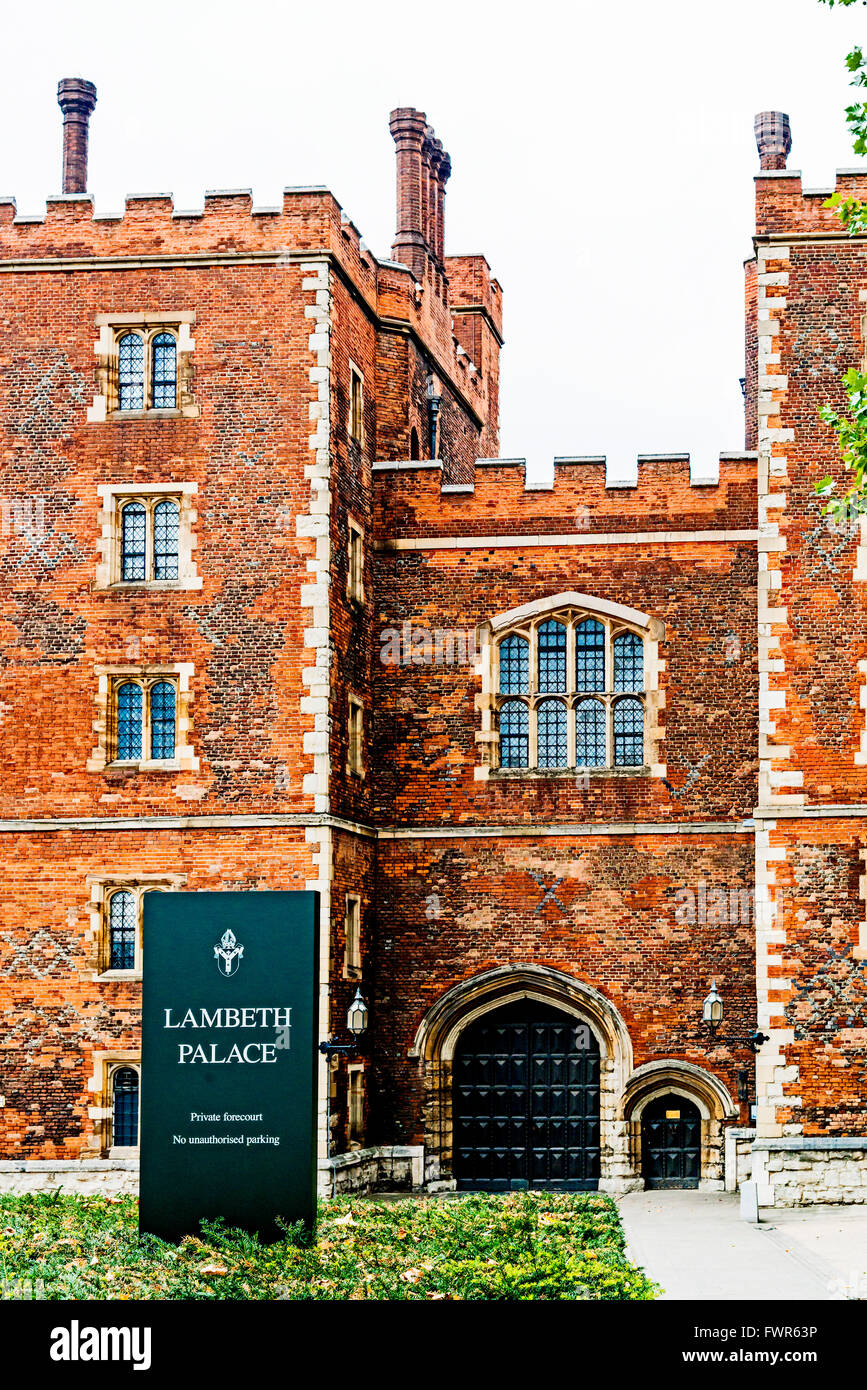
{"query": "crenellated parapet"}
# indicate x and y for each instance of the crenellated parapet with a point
(580, 500)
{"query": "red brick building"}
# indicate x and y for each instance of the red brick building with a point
(276, 615)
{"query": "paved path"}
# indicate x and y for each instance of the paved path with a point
(696, 1246)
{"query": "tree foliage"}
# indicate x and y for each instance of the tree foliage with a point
(849, 496)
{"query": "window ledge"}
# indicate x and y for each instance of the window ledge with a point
(144, 765)
(119, 586)
(119, 1151)
(133, 975)
(565, 773)
(164, 412)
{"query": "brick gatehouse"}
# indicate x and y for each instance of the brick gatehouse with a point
(563, 757)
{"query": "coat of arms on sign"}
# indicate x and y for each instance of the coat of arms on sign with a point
(228, 954)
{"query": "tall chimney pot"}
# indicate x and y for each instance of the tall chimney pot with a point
(76, 99)
(774, 138)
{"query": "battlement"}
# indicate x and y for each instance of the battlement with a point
(413, 499)
(784, 207)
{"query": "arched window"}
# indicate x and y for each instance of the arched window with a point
(162, 710)
(133, 542)
(590, 734)
(164, 372)
(552, 656)
(129, 720)
(124, 1096)
(130, 372)
(414, 446)
(628, 662)
(166, 532)
(514, 666)
(122, 928)
(594, 664)
(590, 655)
(552, 739)
(514, 734)
(628, 733)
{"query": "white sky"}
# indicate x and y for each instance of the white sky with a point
(602, 159)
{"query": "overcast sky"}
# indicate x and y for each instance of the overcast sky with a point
(603, 160)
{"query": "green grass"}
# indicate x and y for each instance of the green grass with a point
(518, 1246)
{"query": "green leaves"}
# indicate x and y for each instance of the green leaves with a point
(526, 1246)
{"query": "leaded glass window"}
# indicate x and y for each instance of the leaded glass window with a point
(130, 372)
(122, 927)
(133, 542)
(515, 666)
(590, 655)
(129, 720)
(590, 734)
(552, 737)
(166, 531)
(595, 666)
(162, 709)
(164, 380)
(628, 733)
(514, 734)
(628, 662)
(552, 656)
(124, 1088)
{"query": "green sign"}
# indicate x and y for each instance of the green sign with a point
(229, 1061)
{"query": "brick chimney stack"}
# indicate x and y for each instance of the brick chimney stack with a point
(422, 171)
(76, 99)
(774, 138)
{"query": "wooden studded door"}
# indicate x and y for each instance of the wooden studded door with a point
(526, 1102)
(671, 1142)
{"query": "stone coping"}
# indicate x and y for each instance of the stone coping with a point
(812, 1142)
(67, 1165)
(357, 1156)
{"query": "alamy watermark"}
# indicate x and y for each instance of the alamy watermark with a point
(23, 516)
(724, 907)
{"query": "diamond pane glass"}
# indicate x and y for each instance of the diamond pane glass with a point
(130, 372)
(133, 542)
(163, 720)
(628, 662)
(628, 733)
(514, 666)
(165, 372)
(129, 722)
(125, 1100)
(590, 731)
(552, 656)
(122, 929)
(552, 740)
(166, 521)
(514, 734)
(590, 655)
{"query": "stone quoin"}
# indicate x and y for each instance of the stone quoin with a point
(559, 755)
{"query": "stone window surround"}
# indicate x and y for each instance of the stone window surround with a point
(111, 328)
(355, 743)
(352, 967)
(101, 1112)
(355, 560)
(356, 405)
(615, 617)
(102, 889)
(113, 496)
(355, 1088)
(108, 678)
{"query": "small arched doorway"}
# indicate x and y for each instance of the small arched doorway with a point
(671, 1142)
(526, 1101)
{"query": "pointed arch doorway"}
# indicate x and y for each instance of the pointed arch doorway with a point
(526, 1085)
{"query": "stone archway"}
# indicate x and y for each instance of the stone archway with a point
(704, 1090)
(442, 1025)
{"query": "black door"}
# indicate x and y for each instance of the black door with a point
(671, 1143)
(526, 1102)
